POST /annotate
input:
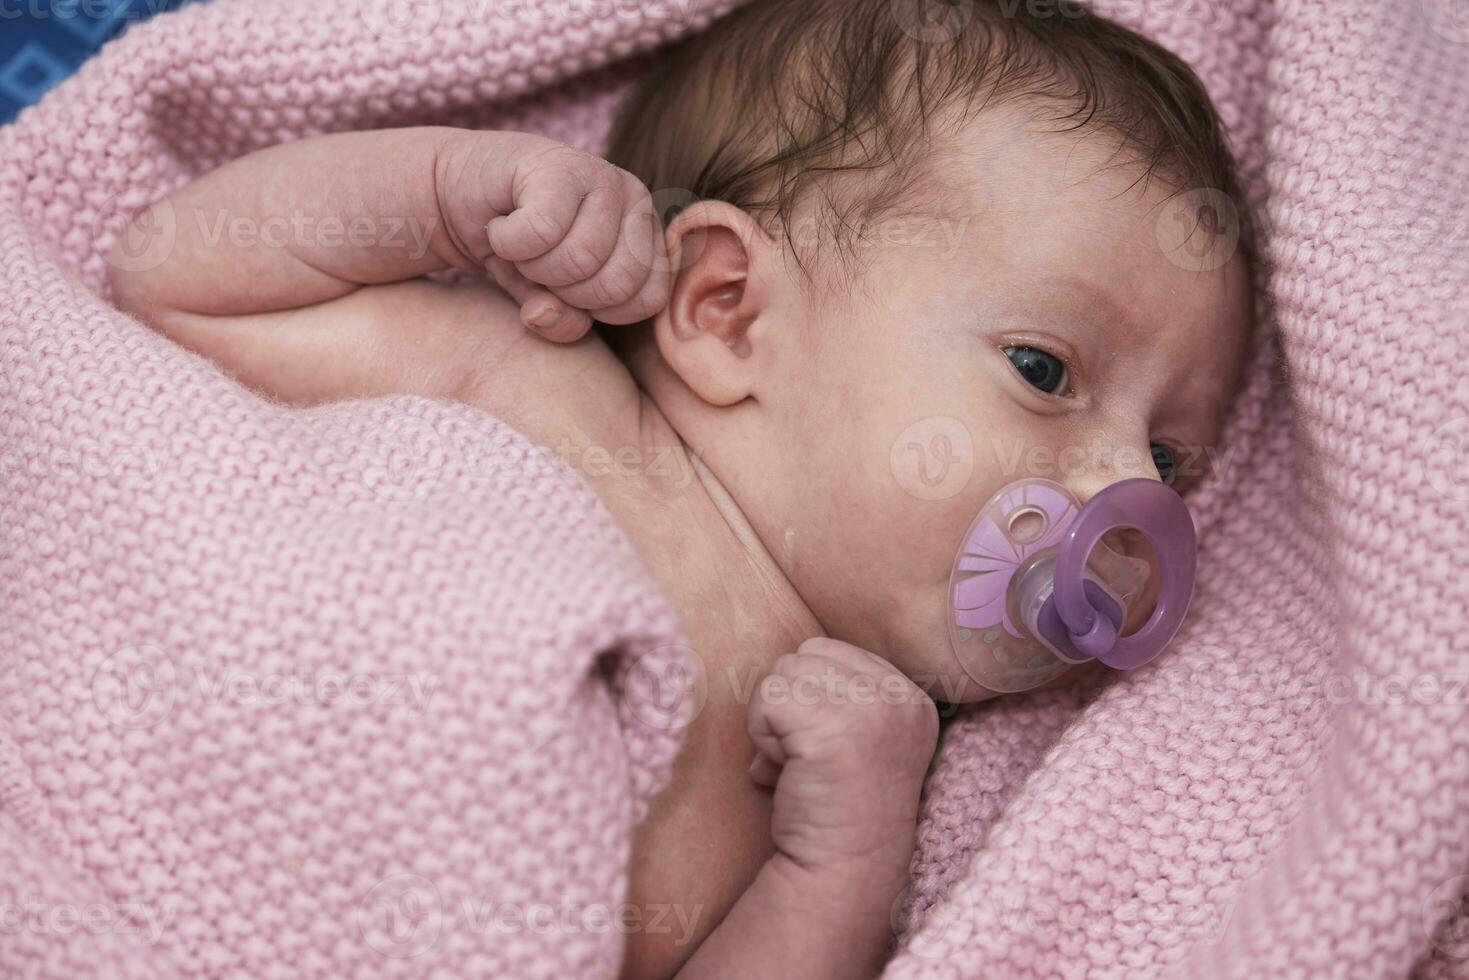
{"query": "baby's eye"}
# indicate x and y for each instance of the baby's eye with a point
(1039, 369)
(1164, 461)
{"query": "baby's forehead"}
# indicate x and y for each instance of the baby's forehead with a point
(1072, 215)
(1008, 156)
(1073, 229)
(1063, 203)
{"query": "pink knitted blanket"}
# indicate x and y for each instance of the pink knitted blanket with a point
(363, 691)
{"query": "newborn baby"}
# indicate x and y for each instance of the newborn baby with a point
(899, 242)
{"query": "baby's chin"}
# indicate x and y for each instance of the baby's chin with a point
(926, 656)
(924, 653)
(908, 629)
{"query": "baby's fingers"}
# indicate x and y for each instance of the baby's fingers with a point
(588, 244)
(634, 282)
(770, 752)
(764, 771)
(645, 239)
(540, 310)
(553, 319)
(544, 212)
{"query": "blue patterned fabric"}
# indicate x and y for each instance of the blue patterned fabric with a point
(43, 41)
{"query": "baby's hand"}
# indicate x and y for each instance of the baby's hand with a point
(568, 235)
(845, 739)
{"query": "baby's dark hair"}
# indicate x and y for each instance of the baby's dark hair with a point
(785, 96)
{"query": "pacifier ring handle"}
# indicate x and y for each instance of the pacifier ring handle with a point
(1159, 514)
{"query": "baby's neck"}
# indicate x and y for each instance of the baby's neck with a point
(723, 577)
(728, 586)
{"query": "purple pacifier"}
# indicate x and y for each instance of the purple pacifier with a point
(1035, 589)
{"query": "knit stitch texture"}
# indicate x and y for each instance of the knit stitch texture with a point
(352, 691)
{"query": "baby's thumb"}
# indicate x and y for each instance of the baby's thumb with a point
(540, 310)
(770, 751)
(764, 770)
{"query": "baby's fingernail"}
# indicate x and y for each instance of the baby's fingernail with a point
(761, 771)
(547, 318)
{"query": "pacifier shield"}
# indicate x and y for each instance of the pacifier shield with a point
(1025, 518)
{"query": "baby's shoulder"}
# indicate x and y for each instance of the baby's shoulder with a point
(569, 397)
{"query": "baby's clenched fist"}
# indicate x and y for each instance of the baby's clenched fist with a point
(845, 739)
(568, 235)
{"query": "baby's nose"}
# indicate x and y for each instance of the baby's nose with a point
(1104, 469)
(1108, 465)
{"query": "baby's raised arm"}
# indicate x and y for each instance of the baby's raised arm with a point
(295, 231)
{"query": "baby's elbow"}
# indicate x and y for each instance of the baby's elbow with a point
(127, 290)
(653, 955)
(137, 256)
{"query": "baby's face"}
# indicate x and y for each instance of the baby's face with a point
(1054, 323)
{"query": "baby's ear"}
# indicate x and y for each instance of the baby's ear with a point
(721, 259)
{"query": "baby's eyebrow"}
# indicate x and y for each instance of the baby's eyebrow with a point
(1101, 300)
(1206, 402)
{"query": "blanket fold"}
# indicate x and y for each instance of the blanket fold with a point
(373, 689)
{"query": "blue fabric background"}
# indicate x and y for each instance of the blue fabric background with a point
(43, 41)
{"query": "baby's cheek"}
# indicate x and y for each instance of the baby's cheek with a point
(920, 648)
(939, 472)
(934, 461)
